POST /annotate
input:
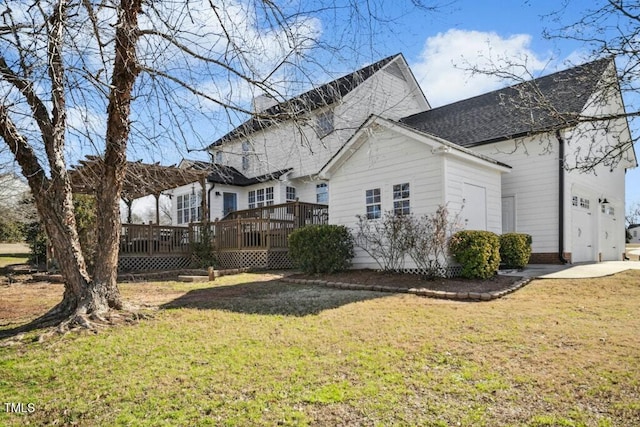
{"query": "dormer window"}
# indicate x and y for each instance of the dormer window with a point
(324, 123)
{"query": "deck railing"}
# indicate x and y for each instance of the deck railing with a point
(266, 227)
(154, 239)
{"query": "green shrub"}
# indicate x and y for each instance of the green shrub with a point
(36, 238)
(477, 251)
(515, 250)
(321, 248)
(10, 231)
(202, 253)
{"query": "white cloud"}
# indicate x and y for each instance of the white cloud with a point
(443, 69)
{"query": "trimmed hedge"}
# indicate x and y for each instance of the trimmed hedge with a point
(515, 249)
(321, 248)
(478, 252)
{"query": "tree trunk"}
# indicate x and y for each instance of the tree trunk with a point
(53, 196)
(125, 72)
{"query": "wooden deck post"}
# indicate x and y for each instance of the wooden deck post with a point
(268, 234)
(296, 215)
(150, 238)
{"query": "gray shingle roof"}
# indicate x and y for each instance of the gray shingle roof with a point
(539, 105)
(221, 174)
(321, 96)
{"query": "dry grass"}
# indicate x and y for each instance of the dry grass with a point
(244, 351)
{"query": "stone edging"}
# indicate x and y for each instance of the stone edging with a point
(460, 296)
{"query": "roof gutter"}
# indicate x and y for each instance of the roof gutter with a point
(563, 260)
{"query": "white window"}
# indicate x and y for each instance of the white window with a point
(574, 201)
(374, 207)
(189, 208)
(584, 203)
(268, 198)
(324, 123)
(291, 194)
(401, 199)
(245, 156)
(260, 197)
(218, 157)
(635, 233)
(322, 193)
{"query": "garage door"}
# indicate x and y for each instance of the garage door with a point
(583, 226)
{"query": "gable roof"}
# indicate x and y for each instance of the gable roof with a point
(321, 96)
(443, 146)
(536, 106)
(221, 174)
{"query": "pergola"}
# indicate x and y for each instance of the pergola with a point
(141, 179)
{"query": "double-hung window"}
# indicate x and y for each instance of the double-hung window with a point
(189, 208)
(261, 197)
(401, 196)
(291, 194)
(268, 196)
(324, 123)
(322, 193)
(373, 203)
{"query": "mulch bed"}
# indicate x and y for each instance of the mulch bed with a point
(407, 281)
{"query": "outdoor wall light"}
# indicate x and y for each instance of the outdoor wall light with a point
(603, 201)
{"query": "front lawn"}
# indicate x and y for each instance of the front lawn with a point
(245, 350)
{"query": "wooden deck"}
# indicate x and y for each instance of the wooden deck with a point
(251, 236)
(266, 227)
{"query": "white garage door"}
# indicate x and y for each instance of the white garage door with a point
(583, 226)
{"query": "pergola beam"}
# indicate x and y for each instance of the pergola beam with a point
(141, 179)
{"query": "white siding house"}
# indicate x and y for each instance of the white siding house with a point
(388, 167)
(359, 140)
(542, 129)
(283, 156)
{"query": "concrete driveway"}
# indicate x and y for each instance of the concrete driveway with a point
(581, 271)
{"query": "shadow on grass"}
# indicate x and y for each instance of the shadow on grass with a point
(272, 297)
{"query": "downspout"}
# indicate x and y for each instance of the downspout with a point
(563, 260)
(209, 199)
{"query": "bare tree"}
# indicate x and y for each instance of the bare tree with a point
(606, 29)
(118, 77)
(633, 214)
